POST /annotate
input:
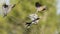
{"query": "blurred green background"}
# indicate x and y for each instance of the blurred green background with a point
(14, 22)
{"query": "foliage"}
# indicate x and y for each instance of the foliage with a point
(14, 22)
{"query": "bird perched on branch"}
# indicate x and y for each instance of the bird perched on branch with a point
(6, 9)
(39, 7)
(34, 19)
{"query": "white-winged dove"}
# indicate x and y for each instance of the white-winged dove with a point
(7, 9)
(34, 19)
(39, 7)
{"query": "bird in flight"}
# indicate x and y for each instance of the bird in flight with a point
(40, 7)
(7, 8)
